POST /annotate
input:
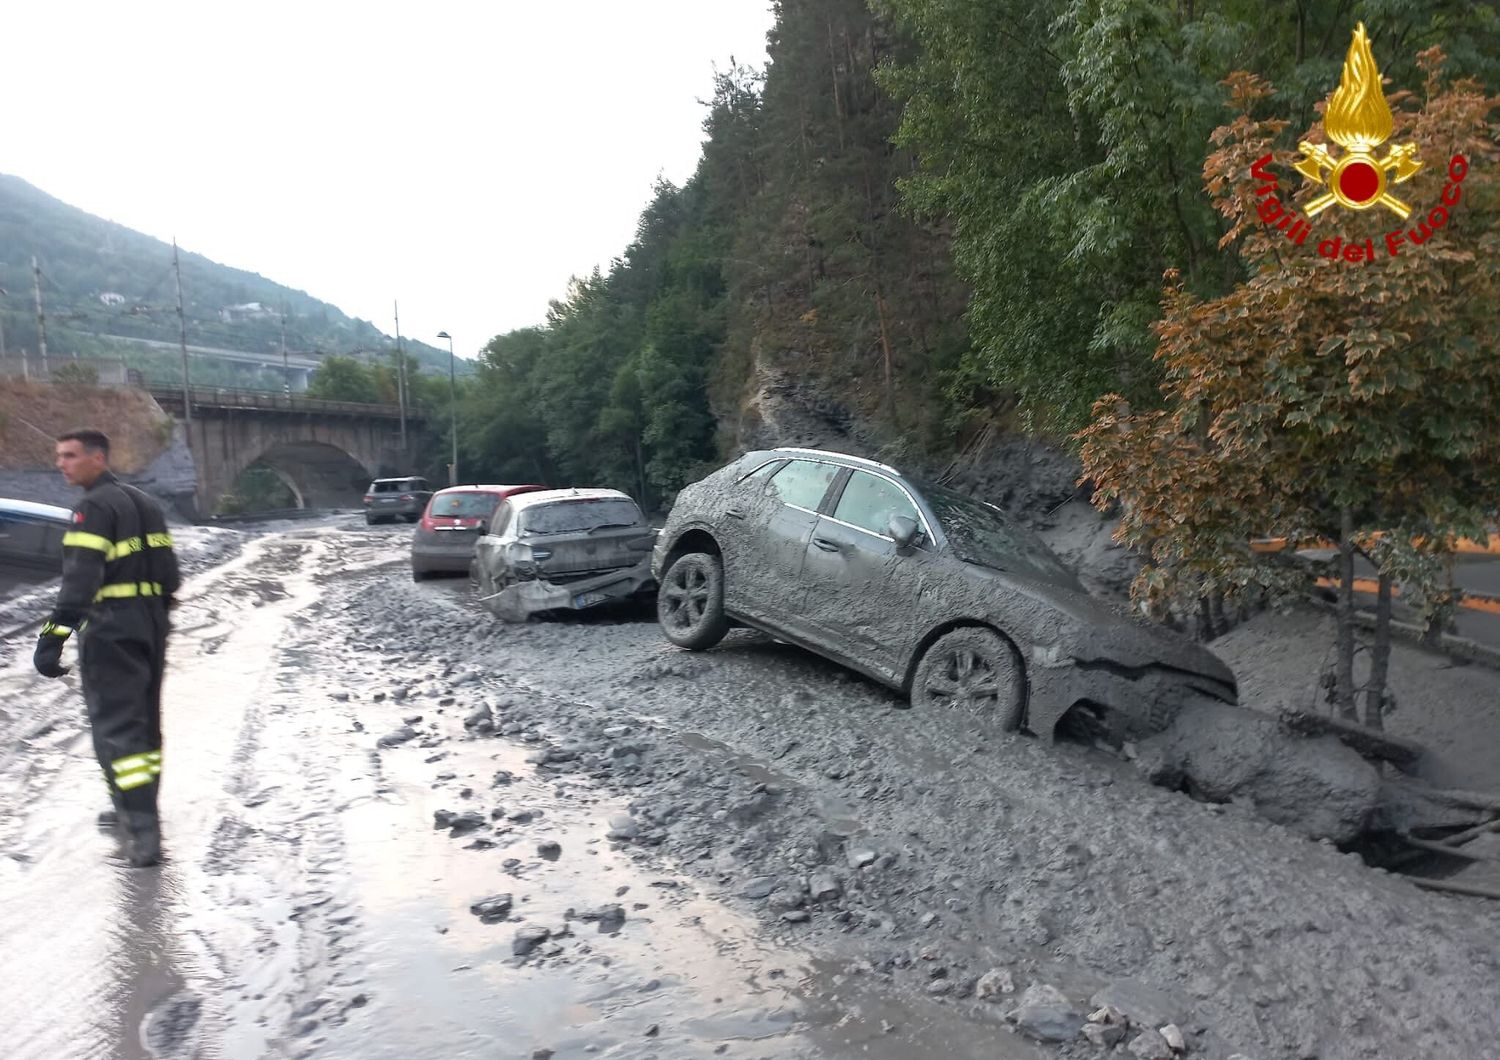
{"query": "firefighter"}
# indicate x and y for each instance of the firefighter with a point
(119, 578)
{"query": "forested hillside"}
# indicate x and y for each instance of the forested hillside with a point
(101, 279)
(922, 225)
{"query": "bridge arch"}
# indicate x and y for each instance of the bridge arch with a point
(320, 475)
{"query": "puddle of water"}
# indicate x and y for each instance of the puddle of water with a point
(108, 951)
(682, 977)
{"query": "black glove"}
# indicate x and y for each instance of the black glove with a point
(49, 647)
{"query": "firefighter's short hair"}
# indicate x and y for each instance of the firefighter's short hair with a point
(94, 440)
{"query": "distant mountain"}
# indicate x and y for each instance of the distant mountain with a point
(104, 284)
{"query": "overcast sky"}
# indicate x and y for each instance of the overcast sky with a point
(466, 158)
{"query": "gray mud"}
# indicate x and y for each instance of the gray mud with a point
(757, 765)
(746, 852)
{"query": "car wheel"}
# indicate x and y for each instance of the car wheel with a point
(370, 520)
(485, 587)
(690, 602)
(973, 670)
(412, 517)
(420, 575)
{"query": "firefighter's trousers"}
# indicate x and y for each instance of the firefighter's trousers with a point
(122, 656)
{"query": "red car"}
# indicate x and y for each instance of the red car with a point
(452, 524)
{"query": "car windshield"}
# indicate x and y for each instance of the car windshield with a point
(464, 505)
(982, 534)
(566, 517)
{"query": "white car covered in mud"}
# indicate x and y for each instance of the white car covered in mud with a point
(561, 550)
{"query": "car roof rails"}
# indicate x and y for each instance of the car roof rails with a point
(841, 456)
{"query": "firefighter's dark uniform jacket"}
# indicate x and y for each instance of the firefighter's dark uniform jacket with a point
(119, 576)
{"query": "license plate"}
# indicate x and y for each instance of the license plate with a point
(589, 599)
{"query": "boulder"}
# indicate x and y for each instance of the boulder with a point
(1045, 1013)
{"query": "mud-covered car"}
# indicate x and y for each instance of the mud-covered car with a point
(451, 526)
(558, 550)
(924, 589)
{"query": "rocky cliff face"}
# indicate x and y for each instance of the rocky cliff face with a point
(148, 447)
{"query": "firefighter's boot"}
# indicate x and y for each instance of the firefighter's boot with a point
(142, 840)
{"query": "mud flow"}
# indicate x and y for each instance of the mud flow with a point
(310, 907)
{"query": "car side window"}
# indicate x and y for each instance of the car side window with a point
(869, 501)
(802, 483)
(501, 519)
(765, 471)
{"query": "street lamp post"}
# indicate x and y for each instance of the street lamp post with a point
(452, 411)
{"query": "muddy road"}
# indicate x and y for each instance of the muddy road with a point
(649, 853)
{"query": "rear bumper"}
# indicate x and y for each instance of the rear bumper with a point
(403, 508)
(524, 599)
(426, 557)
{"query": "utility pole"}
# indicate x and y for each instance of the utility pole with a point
(41, 318)
(286, 371)
(400, 377)
(187, 397)
(452, 410)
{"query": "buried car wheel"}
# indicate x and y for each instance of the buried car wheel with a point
(690, 601)
(973, 670)
(484, 585)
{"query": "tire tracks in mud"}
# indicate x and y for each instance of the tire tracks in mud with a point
(274, 914)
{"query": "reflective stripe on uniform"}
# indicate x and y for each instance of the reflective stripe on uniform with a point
(130, 781)
(124, 590)
(132, 545)
(57, 630)
(124, 548)
(132, 771)
(82, 539)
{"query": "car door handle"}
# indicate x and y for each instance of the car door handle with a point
(826, 545)
(735, 513)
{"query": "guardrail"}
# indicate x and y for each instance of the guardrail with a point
(1464, 546)
(1466, 599)
(270, 401)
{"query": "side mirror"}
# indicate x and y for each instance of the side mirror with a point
(903, 530)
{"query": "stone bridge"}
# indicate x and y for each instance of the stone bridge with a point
(325, 451)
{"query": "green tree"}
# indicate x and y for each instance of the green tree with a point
(344, 379)
(1063, 139)
(1316, 399)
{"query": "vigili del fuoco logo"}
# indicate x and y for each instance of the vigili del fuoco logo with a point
(1358, 120)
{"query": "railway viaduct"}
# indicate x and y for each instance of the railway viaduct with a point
(325, 451)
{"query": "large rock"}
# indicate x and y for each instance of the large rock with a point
(1150, 1045)
(1045, 1013)
(1312, 785)
(395, 739)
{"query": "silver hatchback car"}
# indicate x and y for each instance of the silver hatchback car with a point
(563, 550)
